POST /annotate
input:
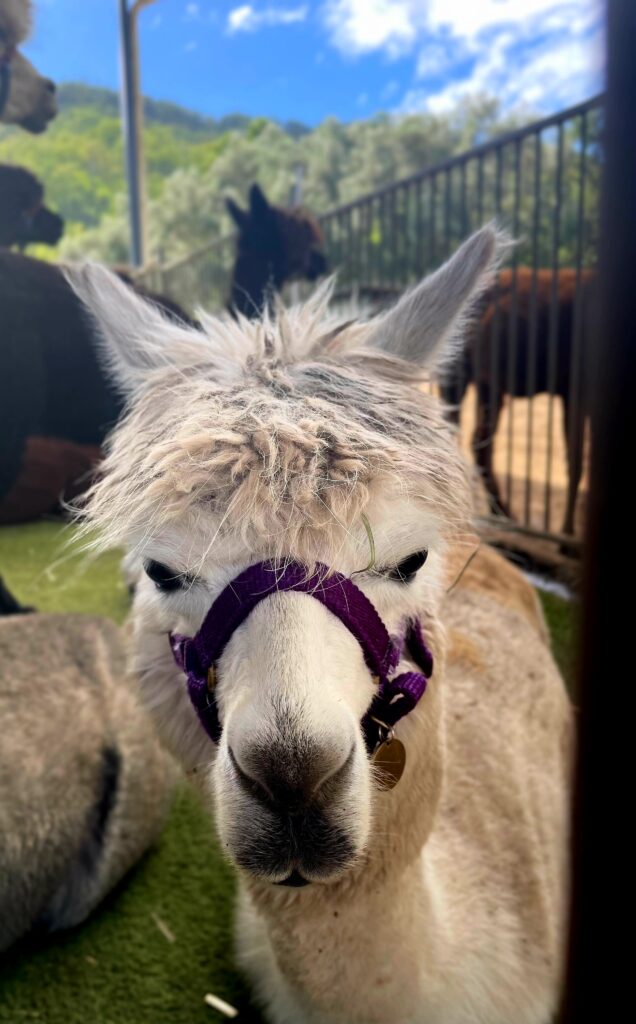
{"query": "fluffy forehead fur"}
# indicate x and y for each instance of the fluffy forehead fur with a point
(276, 444)
(282, 429)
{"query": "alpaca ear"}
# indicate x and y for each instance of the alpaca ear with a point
(426, 323)
(134, 337)
(238, 215)
(259, 206)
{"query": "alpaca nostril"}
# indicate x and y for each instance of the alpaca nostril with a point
(286, 780)
(49, 85)
(249, 781)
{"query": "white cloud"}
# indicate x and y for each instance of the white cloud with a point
(435, 58)
(361, 26)
(470, 18)
(192, 12)
(247, 19)
(553, 74)
(537, 52)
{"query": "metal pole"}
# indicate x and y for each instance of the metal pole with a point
(297, 198)
(599, 978)
(132, 119)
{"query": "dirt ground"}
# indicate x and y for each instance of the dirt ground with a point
(533, 477)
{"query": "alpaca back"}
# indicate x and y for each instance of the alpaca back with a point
(85, 787)
(509, 735)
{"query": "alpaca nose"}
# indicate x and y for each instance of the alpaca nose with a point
(49, 86)
(287, 779)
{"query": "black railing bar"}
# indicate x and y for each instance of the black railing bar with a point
(512, 323)
(553, 336)
(554, 120)
(576, 354)
(531, 366)
(496, 395)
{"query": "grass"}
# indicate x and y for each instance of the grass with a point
(120, 967)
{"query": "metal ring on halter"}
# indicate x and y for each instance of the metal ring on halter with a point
(390, 731)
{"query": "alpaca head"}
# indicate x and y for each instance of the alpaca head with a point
(30, 98)
(289, 438)
(23, 216)
(288, 243)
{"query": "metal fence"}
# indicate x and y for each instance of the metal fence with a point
(520, 391)
(202, 278)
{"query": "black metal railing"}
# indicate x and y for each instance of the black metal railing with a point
(521, 389)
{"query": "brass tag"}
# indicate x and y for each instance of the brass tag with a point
(211, 677)
(390, 759)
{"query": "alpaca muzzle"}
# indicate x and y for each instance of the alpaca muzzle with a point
(396, 695)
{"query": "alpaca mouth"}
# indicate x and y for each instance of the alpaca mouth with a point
(295, 880)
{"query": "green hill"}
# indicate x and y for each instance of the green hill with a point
(194, 162)
(80, 158)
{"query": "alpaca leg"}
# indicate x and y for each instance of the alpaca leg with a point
(483, 444)
(574, 440)
(9, 605)
(452, 386)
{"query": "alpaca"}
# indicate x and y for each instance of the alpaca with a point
(485, 361)
(291, 493)
(23, 216)
(274, 246)
(26, 98)
(56, 403)
(85, 785)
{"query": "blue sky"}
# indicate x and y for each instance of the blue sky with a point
(348, 58)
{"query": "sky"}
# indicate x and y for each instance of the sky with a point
(296, 60)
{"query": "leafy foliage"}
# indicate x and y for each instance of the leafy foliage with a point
(193, 162)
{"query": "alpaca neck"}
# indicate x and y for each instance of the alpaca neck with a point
(253, 280)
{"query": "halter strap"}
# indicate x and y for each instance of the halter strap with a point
(396, 697)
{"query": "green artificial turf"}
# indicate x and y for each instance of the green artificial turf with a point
(121, 966)
(562, 619)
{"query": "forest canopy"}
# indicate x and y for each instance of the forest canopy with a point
(194, 162)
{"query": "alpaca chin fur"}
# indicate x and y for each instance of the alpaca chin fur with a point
(282, 438)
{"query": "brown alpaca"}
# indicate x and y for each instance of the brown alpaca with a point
(486, 363)
(274, 246)
(23, 216)
(56, 404)
(26, 98)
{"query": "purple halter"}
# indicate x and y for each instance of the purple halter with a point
(395, 697)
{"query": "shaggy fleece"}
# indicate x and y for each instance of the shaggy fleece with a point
(121, 967)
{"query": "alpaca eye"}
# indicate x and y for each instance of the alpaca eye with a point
(164, 578)
(406, 570)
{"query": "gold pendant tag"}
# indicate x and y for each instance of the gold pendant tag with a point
(390, 759)
(211, 679)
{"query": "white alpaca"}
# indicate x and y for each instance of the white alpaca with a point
(28, 98)
(440, 901)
